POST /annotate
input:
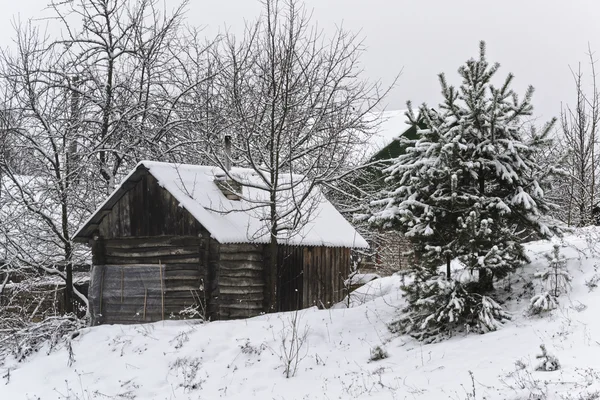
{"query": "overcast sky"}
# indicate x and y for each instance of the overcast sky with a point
(537, 40)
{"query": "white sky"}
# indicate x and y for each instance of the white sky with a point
(537, 40)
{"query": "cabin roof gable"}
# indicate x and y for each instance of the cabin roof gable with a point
(235, 221)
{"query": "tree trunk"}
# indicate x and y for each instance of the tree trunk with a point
(486, 280)
(481, 181)
(69, 280)
(448, 272)
(270, 299)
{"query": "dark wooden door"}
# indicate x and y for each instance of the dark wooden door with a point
(290, 262)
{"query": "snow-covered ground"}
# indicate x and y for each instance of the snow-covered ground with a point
(245, 359)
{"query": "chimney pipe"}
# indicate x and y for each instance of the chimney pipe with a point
(231, 188)
(227, 162)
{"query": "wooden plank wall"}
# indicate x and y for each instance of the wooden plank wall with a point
(325, 269)
(147, 209)
(290, 283)
(182, 271)
(240, 280)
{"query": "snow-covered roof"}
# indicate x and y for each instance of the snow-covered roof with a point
(245, 220)
(393, 124)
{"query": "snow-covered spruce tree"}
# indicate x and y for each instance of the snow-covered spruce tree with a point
(556, 279)
(466, 189)
(439, 307)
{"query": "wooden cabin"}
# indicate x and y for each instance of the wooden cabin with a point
(178, 241)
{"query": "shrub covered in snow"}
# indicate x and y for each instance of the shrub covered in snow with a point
(488, 315)
(548, 362)
(541, 303)
(378, 353)
(53, 332)
(439, 308)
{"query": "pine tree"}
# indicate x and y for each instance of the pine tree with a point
(440, 307)
(556, 276)
(466, 187)
(556, 279)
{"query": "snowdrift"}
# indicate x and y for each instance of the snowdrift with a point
(343, 353)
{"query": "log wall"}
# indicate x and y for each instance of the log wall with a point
(240, 280)
(160, 248)
(307, 276)
(150, 266)
(211, 257)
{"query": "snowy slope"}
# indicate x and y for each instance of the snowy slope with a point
(243, 359)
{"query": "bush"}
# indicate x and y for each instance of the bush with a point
(53, 332)
(548, 361)
(542, 303)
(186, 370)
(439, 308)
(294, 344)
(592, 283)
(378, 353)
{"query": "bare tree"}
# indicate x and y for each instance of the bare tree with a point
(295, 106)
(137, 68)
(114, 89)
(580, 125)
(41, 199)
